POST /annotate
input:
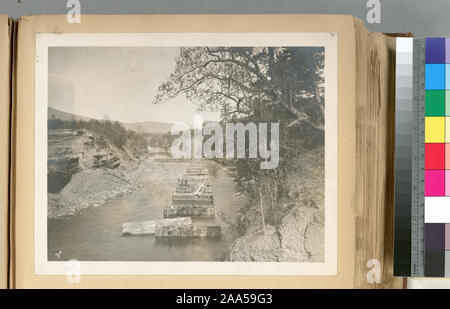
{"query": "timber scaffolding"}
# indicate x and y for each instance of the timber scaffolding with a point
(193, 196)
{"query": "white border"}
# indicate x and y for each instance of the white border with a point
(327, 40)
(437, 209)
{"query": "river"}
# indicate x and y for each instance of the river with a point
(94, 234)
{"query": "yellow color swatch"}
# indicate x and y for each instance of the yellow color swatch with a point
(435, 129)
(447, 129)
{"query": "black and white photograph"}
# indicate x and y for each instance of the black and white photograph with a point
(189, 153)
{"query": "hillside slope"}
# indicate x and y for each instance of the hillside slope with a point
(83, 174)
(142, 127)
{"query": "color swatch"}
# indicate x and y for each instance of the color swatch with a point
(422, 152)
(437, 157)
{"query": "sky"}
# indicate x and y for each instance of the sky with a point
(119, 82)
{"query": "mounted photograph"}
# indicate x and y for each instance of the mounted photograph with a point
(186, 153)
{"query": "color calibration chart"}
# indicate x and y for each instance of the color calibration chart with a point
(422, 173)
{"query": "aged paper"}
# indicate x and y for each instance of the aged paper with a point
(27, 240)
(5, 61)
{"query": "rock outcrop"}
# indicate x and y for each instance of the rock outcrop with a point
(257, 246)
(108, 161)
(83, 173)
(60, 172)
(299, 238)
(302, 235)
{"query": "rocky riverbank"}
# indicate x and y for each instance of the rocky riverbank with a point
(83, 174)
(299, 234)
(299, 238)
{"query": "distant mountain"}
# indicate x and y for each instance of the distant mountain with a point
(148, 126)
(144, 126)
(57, 114)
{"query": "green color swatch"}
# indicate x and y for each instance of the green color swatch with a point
(447, 103)
(435, 103)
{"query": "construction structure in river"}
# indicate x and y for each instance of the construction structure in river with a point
(193, 196)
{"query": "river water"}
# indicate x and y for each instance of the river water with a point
(94, 234)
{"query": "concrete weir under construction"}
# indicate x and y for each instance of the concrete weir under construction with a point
(193, 196)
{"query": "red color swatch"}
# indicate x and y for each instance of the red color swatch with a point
(434, 156)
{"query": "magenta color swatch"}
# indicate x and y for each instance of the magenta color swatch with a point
(447, 237)
(447, 50)
(434, 182)
(447, 183)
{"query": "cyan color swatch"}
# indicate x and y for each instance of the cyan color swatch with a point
(447, 76)
(435, 76)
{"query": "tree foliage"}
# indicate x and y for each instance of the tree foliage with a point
(107, 131)
(245, 81)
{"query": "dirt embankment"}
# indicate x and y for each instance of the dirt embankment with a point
(299, 236)
(83, 174)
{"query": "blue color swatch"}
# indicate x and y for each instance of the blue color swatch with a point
(435, 50)
(435, 76)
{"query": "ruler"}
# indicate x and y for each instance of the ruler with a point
(418, 161)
